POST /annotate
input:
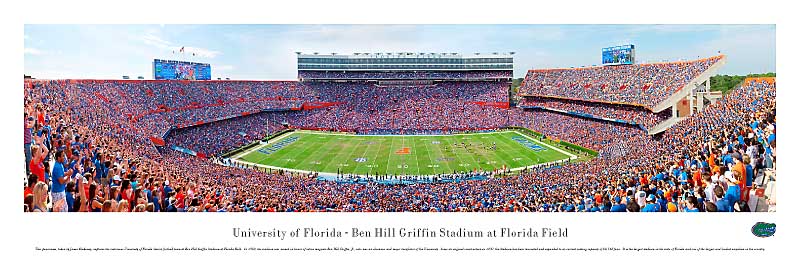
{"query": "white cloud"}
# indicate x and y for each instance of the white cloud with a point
(33, 51)
(155, 41)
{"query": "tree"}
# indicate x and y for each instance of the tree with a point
(725, 83)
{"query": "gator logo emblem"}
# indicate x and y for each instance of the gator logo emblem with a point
(403, 151)
(762, 229)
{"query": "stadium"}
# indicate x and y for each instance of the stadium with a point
(394, 132)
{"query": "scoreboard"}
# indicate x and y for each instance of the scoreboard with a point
(180, 70)
(619, 55)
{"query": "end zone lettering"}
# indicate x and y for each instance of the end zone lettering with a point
(277, 146)
(527, 143)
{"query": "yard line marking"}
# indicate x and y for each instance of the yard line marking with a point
(415, 151)
(456, 151)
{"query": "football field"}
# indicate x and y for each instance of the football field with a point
(400, 155)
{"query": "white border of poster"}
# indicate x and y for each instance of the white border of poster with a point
(661, 245)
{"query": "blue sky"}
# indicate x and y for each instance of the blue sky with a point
(267, 52)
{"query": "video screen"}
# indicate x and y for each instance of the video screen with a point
(619, 55)
(180, 70)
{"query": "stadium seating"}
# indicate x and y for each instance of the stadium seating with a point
(369, 109)
(625, 113)
(217, 137)
(638, 84)
(97, 119)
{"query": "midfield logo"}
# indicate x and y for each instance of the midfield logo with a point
(403, 151)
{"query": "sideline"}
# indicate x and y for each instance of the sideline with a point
(328, 174)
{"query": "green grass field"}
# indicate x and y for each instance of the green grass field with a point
(401, 155)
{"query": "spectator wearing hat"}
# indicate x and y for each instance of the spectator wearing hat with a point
(116, 181)
(733, 194)
(651, 205)
(671, 207)
(641, 197)
(619, 205)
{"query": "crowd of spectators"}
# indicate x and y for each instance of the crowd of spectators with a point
(641, 84)
(630, 114)
(153, 107)
(307, 75)
(590, 133)
(366, 108)
(362, 95)
(88, 159)
(221, 136)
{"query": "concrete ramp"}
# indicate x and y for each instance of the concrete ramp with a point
(687, 89)
(663, 126)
